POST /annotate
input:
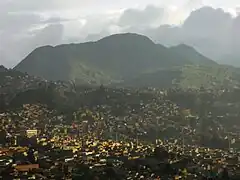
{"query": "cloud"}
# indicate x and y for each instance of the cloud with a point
(207, 22)
(148, 16)
(213, 32)
(50, 35)
(14, 47)
(18, 21)
(22, 31)
(193, 4)
(235, 36)
(209, 30)
(26, 24)
(130, 20)
(167, 35)
(43, 5)
(97, 36)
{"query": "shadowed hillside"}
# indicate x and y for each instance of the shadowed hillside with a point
(125, 59)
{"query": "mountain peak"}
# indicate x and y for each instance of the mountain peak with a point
(133, 37)
(184, 46)
(116, 57)
(3, 69)
(192, 54)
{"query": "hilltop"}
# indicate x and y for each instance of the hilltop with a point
(116, 59)
(3, 69)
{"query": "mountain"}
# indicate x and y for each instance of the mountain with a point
(231, 59)
(161, 78)
(3, 69)
(192, 55)
(211, 31)
(113, 59)
(118, 56)
(188, 76)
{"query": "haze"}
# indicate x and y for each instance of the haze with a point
(27, 24)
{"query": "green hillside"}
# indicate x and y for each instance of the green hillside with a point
(118, 56)
(206, 76)
(192, 55)
(131, 59)
(188, 76)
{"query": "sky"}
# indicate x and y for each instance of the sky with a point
(28, 24)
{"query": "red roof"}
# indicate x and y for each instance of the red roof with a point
(27, 167)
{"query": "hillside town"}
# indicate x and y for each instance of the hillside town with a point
(119, 90)
(57, 130)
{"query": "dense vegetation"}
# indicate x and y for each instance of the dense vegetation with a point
(127, 60)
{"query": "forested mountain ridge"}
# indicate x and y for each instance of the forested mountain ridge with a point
(113, 59)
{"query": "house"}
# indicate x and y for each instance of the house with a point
(27, 167)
